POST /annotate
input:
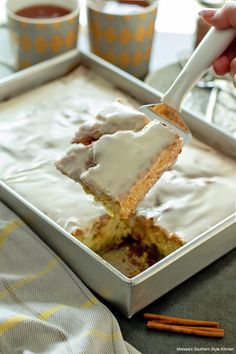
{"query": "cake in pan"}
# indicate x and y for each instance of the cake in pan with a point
(119, 155)
(36, 128)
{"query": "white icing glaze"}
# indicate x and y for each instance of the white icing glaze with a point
(116, 116)
(75, 162)
(197, 193)
(36, 129)
(122, 158)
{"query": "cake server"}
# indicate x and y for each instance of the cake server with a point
(168, 112)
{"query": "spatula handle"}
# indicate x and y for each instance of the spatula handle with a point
(210, 48)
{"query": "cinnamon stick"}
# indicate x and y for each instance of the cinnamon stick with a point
(195, 331)
(180, 321)
(211, 329)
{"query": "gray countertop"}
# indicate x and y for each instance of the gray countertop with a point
(208, 295)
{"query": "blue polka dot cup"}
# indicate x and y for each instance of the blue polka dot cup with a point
(38, 39)
(123, 35)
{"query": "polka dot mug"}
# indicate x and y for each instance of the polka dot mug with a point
(35, 39)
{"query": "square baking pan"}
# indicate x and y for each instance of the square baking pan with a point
(129, 295)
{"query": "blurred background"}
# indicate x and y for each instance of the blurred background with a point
(175, 30)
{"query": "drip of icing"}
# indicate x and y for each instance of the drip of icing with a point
(76, 161)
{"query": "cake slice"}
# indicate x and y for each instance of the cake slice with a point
(119, 156)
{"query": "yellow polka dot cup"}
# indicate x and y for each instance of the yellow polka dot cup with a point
(122, 32)
(38, 39)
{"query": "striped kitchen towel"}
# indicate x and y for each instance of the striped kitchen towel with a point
(44, 307)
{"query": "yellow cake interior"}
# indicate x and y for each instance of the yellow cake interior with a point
(131, 245)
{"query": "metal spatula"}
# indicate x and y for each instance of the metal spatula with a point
(168, 112)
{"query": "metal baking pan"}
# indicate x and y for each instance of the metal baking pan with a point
(128, 295)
